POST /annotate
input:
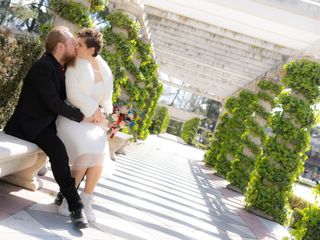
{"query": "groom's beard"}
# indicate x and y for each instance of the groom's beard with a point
(69, 59)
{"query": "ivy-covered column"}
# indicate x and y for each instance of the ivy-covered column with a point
(228, 134)
(212, 152)
(135, 10)
(131, 60)
(241, 110)
(210, 156)
(217, 156)
(160, 121)
(285, 150)
(189, 130)
(255, 133)
(129, 56)
(143, 73)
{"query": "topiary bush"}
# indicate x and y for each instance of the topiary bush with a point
(189, 130)
(16, 58)
(285, 150)
(161, 121)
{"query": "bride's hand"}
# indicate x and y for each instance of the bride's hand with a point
(98, 116)
(88, 119)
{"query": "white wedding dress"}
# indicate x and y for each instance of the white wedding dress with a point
(86, 143)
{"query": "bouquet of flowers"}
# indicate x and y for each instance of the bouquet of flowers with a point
(121, 117)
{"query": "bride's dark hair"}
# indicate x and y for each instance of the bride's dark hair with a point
(92, 38)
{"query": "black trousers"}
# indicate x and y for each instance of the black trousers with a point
(51, 144)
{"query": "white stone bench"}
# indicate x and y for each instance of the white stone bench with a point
(20, 162)
(118, 143)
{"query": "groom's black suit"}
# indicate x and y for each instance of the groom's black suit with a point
(41, 101)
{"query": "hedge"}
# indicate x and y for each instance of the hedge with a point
(16, 57)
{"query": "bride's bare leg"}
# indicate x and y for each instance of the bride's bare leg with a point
(78, 175)
(92, 177)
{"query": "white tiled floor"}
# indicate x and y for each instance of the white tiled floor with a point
(157, 192)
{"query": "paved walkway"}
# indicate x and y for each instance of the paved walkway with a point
(160, 190)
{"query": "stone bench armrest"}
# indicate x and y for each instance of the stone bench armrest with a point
(20, 162)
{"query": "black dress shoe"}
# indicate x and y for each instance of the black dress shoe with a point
(79, 219)
(58, 199)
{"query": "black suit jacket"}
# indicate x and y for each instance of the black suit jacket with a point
(41, 100)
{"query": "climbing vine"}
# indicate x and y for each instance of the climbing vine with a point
(161, 121)
(285, 150)
(190, 130)
(254, 133)
(98, 5)
(227, 137)
(73, 11)
(129, 57)
(237, 138)
(307, 227)
(134, 69)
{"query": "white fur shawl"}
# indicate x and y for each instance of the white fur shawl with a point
(80, 84)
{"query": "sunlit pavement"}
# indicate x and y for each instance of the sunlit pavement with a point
(159, 190)
(304, 192)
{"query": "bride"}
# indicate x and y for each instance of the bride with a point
(89, 87)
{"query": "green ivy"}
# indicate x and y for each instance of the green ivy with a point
(284, 152)
(233, 134)
(308, 227)
(120, 20)
(98, 5)
(269, 86)
(241, 165)
(310, 73)
(190, 130)
(241, 109)
(120, 50)
(161, 121)
(265, 96)
(306, 219)
(210, 156)
(139, 83)
(72, 11)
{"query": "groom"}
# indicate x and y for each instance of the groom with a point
(41, 101)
